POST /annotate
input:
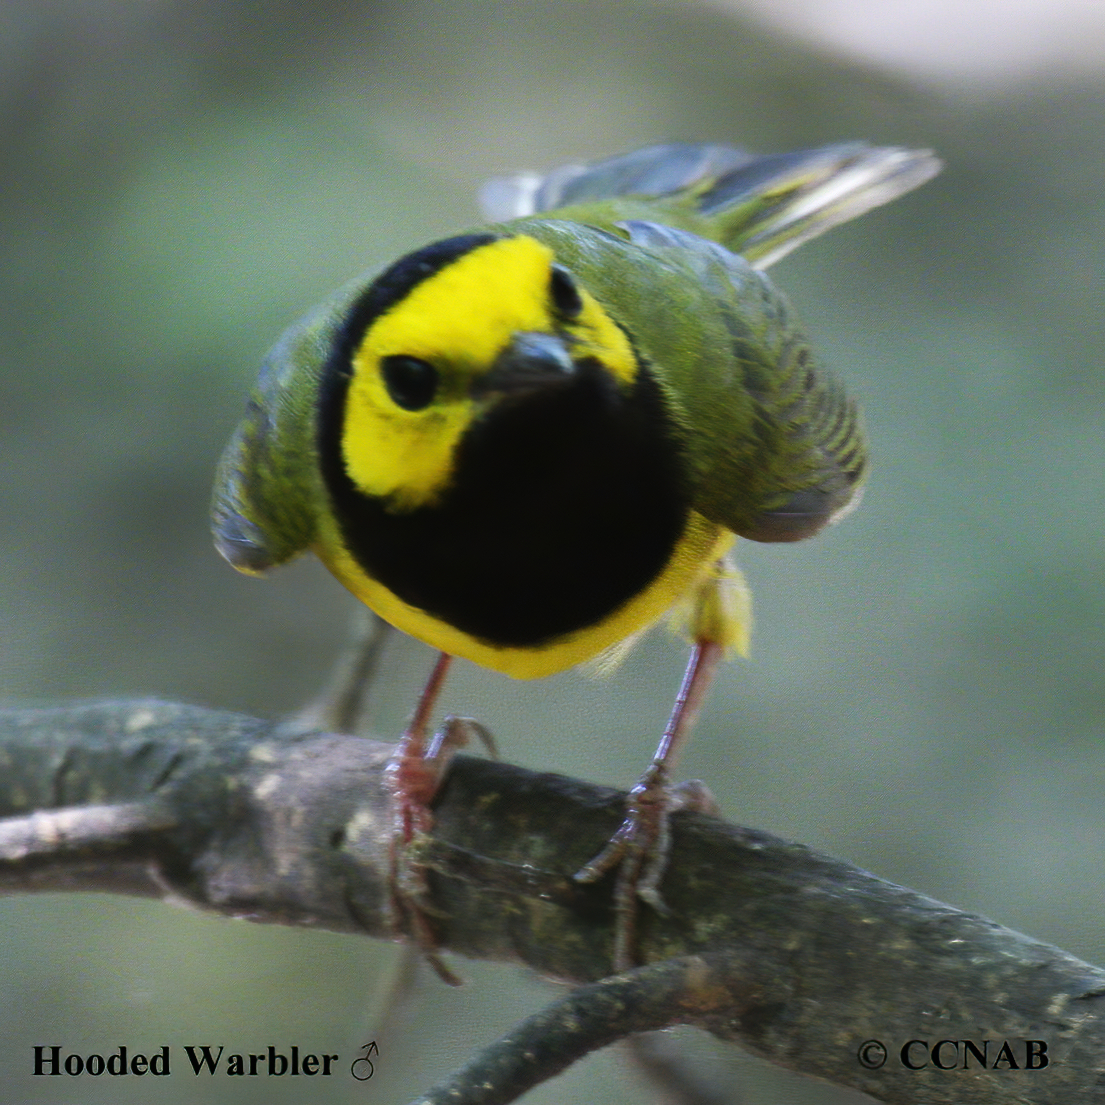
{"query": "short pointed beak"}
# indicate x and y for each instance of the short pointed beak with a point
(532, 360)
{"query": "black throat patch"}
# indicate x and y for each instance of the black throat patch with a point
(565, 503)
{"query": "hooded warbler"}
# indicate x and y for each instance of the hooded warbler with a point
(526, 444)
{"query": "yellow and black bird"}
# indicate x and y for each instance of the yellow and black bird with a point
(526, 444)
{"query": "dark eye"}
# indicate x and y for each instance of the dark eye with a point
(411, 383)
(565, 294)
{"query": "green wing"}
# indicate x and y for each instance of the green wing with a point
(268, 491)
(778, 444)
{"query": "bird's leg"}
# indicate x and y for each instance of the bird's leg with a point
(639, 849)
(413, 776)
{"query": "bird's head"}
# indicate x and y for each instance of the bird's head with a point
(453, 334)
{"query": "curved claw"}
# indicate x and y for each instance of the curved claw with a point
(456, 733)
(640, 849)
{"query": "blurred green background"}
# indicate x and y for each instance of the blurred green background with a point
(182, 178)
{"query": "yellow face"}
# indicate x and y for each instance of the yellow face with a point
(424, 369)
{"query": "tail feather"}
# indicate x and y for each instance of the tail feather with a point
(759, 207)
(777, 203)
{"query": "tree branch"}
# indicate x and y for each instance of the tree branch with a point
(795, 956)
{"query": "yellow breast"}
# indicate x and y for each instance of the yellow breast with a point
(703, 543)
